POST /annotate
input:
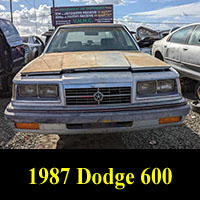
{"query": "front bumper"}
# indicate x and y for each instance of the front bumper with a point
(56, 121)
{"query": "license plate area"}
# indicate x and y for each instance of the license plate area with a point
(100, 125)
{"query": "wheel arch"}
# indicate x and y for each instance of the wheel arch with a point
(159, 55)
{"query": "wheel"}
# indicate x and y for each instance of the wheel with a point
(195, 106)
(159, 55)
(197, 90)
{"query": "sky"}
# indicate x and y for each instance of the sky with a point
(33, 16)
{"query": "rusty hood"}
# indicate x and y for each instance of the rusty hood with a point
(56, 62)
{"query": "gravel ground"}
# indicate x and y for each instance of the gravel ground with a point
(6, 133)
(11, 140)
(185, 136)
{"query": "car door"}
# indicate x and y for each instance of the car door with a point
(40, 44)
(174, 44)
(190, 52)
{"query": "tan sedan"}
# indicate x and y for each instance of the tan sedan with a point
(92, 78)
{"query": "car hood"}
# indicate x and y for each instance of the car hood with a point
(56, 62)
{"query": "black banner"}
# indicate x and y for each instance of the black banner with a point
(146, 172)
(82, 14)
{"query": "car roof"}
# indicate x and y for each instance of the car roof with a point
(193, 24)
(92, 25)
(188, 25)
(2, 19)
(197, 23)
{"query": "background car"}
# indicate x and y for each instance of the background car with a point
(146, 36)
(48, 35)
(181, 49)
(34, 47)
(11, 55)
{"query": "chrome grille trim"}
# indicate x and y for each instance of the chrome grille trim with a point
(83, 95)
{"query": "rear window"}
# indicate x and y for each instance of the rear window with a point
(10, 32)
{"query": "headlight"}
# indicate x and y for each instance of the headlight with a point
(48, 91)
(27, 90)
(38, 91)
(165, 86)
(148, 87)
(155, 87)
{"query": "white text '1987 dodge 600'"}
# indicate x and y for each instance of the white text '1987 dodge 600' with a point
(92, 78)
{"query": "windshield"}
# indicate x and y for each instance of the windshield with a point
(91, 39)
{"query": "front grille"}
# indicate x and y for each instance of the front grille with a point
(98, 96)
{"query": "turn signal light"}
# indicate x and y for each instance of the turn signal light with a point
(31, 126)
(169, 120)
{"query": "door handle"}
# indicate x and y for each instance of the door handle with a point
(185, 48)
(165, 46)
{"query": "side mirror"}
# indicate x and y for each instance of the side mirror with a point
(132, 32)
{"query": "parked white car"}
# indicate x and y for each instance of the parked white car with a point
(181, 49)
(34, 47)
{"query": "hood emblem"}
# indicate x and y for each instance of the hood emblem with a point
(98, 96)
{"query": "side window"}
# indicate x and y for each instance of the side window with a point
(39, 40)
(30, 40)
(195, 37)
(181, 36)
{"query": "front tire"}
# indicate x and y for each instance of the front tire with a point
(197, 90)
(195, 106)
